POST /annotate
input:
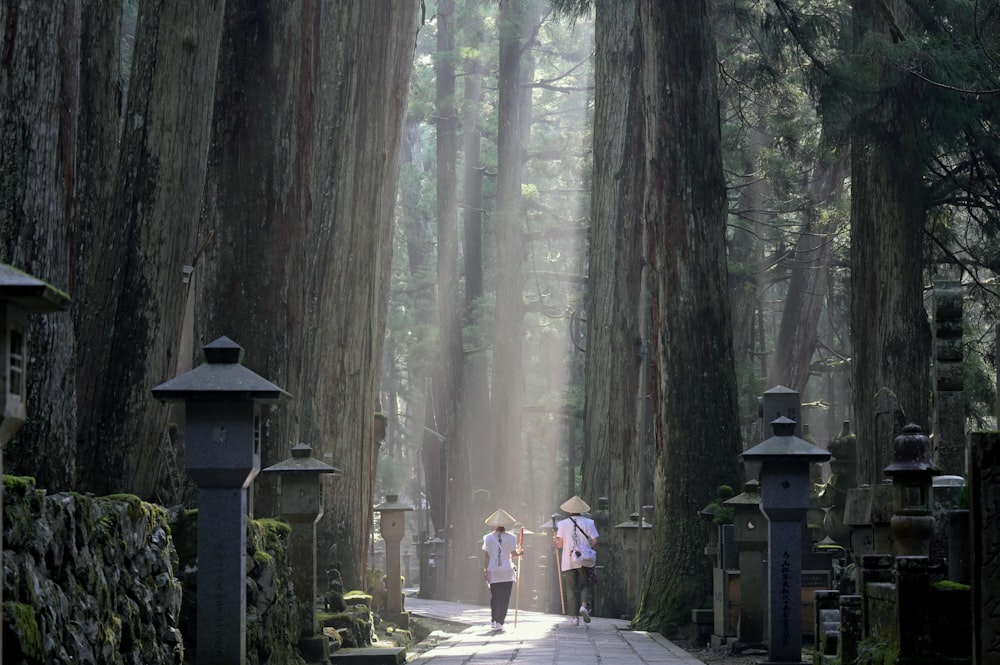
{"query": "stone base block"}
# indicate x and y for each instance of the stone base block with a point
(315, 649)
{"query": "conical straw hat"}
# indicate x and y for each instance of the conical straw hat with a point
(501, 518)
(574, 505)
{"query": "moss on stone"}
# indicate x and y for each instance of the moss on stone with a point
(18, 487)
(26, 628)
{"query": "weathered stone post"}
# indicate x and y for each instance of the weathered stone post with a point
(984, 480)
(949, 378)
(784, 461)
(300, 500)
(392, 528)
(911, 472)
(750, 536)
(223, 438)
(20, 294)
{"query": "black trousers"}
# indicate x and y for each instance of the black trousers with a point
(500, 600)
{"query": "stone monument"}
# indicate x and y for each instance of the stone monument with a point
(784, 461)
(223, 437)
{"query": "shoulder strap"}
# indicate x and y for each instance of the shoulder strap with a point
(578, 527)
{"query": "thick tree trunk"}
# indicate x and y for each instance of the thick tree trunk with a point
(611, 429)
(697, 436)
(890, 333)
(251, 282)
(39, 98)
(365, 55)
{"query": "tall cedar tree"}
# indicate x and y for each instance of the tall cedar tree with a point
(697, 437)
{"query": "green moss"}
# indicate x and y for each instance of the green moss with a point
(26, 629)
(948, 585)
(137, 508)
(274, 526)
(18, 486)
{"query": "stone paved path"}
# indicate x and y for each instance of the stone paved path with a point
(541, 639)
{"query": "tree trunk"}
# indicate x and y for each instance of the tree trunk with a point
(890, 333)
(807, 288)
(697, 436)
(612, 456)
(39, 94)
(508, 390)
(365, 60)
(251, 279)
(150, 235)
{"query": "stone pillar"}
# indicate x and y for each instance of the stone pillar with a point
(392, 528)
(949, 382)
(850, 628)
(875, 569)
(223, 432)
(843, 477)
(984, 498)
(912, 607)
(827, 618)
(784, 481)
(750, 537)
(300, 501)
(912, 472)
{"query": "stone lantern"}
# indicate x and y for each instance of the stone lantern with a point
(393, 527)
(635, 549)
(912, 472)
(750, 537)
(222, 455)
(20, 295)
(784, 483)
(300, 501)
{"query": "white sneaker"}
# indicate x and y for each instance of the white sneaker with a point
(576, 621)
(493, 625)
(585, 613)
(500, 627)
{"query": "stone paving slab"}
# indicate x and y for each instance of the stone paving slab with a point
(539, 638)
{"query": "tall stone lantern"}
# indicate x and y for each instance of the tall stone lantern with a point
(784, 461)
(300, 502)
(20, 295)
(222, 454)
(912, 473)
(393, 527)
(750, 536)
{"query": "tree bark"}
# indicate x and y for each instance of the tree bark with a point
(39, 97)
(612, 432)
(366, 56)
(697, 434)
(890, 333)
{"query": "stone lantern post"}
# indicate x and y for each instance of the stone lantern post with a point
(222, 453)
(912, 472)
(635, 550)
(750, 537)
(393, 527)
(784, 461)
(300, 500)
(20, 295)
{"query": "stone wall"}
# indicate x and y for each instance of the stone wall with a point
(112, 580)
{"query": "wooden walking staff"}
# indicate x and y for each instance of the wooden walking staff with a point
(517, 580)
(555, 552)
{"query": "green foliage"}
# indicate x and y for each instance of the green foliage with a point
(871, 652)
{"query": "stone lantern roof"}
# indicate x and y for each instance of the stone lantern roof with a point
(785, 445)
(222, 376)
(302, 462)
(30, 293)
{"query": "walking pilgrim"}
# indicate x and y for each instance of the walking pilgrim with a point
(576, 535)
(499, 551)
